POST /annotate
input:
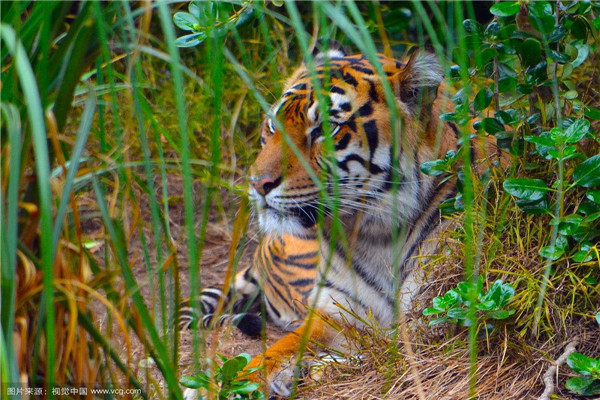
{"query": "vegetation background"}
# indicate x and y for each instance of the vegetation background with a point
(127, 131)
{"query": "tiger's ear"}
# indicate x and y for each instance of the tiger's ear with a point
(417, 83)
(326, 50)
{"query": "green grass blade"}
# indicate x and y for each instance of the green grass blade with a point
(9, 238)
(42, 166)
(73, 165)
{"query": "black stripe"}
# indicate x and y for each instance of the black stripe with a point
(370, 129)
(346, 106)
(454, 128)
(373, 168)
(302, 282)
(429, 224)
(337, 89)
(366, 109)
(311, 254)
(351, 123)
(284, 299)
(316, 133)
(362, 273)
(287, 261)
(343, 143)
(346, 293)
(300, 86)
(362, 69)
(348, 78)
(372, 91)
(212, 294)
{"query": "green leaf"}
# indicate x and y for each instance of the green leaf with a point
(441, 320)
(543, 24)
(592, 113)
(507, 117)
(492, 125)
(186, 21)
(500, 314)
(450, 299)
(579, 28)
(540, 9)
(243, 360)
(245, 387)
(530, 52)
(584, 385)
(505, 8)
(583, 50)
(191, 40)
(506, 83)
(593, 195)
(485, 56)
(582, 256)
(472, 27)
(577, 130)
(194, 382)
(587, 174)
(432, 311)
(434, 168)
(560, 58)
(483, 99)
(526, 189)
(541, 140)
(458, 313)
(581, 363)
(245, 16)
(533, 207)
(556, 251)
(598, 318)
(230, 369)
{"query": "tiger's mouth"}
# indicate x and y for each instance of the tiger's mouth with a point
(306, 215)
(278, 219)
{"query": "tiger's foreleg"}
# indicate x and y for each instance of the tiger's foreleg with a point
(278, 362)
(203, 312)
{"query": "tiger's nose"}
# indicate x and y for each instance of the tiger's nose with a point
(264, 183)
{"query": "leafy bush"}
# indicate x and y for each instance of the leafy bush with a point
(210, 19)
(456, 302)
(521, 78)
(588, 383)
(229, 379)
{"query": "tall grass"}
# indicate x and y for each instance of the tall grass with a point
(119, 150)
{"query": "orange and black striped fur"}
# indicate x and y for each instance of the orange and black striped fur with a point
(284, 268)
(389, 216)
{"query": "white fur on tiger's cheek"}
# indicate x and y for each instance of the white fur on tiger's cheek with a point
(259, 201)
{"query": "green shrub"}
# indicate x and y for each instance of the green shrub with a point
(588, 383)
(228, 378)
(488, 306)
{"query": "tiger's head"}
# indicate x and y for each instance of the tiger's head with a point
(349, 148)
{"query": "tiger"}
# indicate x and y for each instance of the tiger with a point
(386, 208)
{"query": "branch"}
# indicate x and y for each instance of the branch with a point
(553, 370)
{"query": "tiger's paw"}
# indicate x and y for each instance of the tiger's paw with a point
(280, 376)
